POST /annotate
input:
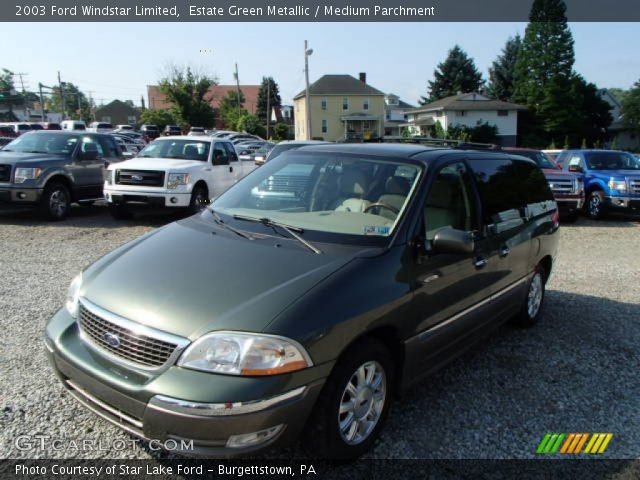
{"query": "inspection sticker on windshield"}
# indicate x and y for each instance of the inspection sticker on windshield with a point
(377, 230)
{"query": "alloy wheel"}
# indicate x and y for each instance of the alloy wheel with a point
(594, 205)
(58, 203)
(362, 403)
(534, 299)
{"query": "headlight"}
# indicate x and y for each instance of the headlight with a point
(176, 179)
(73, 296)
(110, 176)
(236, 353)
(620, 185)
(24, 174)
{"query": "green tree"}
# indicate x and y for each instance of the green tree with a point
(188, 92)
(230, 111)
(76, 104)
(502, 73)
(281, 131)
(250, 124)
(458, 73)
(8, 95)
(271, 87)
(160, 117)
(631, 108)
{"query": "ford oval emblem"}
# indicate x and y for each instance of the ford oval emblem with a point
(137, 178)
(111, 339)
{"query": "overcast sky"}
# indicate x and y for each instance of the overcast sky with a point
(118, 60)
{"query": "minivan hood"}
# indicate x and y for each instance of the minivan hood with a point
(158, 164)
(192, 277)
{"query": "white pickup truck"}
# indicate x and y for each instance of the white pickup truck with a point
(174, 172)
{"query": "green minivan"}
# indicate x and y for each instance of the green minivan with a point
(307, 296)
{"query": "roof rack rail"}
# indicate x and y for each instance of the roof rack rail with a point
(446, 142)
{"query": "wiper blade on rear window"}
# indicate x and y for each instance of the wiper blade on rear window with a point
(290, 229)
(220, 222)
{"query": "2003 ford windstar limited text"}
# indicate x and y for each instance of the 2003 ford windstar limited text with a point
(306, 296)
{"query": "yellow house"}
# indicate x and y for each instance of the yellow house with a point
(342, 108)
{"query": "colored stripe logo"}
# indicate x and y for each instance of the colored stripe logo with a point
(574, 443)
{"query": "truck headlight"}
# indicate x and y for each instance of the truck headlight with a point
(619, 185)
(73, 296)
(238, 353)
(109, 177)
(24, 174)
(176, 179)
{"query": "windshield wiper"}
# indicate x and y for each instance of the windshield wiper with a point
(219, 221)
(290, 229)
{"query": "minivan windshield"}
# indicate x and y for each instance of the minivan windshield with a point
(325, 192)
(612, 161)
(43, 142)
(187, 149)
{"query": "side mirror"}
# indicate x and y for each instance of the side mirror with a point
(575, 168)
(450, 240)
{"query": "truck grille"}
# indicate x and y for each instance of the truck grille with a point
(634, 186)
(146, 178)
(133, 347)
(5, 173)
(562, 185)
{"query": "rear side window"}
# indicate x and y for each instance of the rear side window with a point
(506, 186)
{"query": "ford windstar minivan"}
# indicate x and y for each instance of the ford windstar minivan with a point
(305, 297)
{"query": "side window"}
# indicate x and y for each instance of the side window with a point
(449, 202)
(500, 188)
(233, 157)
(90, 140)
(220, 154)
(110, 147)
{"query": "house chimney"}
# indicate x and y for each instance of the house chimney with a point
(363, 77)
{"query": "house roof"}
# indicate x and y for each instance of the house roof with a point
(339, 85)
(119, 104)
(215, 95)
(468, 101)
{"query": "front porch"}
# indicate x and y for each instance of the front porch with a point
(362, 127)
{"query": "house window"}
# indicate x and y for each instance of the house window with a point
(365, 104)
(345, 103)
(503, 113)
(366, 125)
(132, 120)
(461, 113)
(325, 127)
(323, 104)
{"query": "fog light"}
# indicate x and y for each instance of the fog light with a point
(254, 438)
(22, 195)
(173, 200)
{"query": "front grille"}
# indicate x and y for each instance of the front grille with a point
(146, 178)
(133, 347)
(562, 185)
(5, 173)
(634, 186)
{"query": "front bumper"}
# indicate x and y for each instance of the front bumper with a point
(181, 406)
(632, 202)
(13, 196)
(138, 197)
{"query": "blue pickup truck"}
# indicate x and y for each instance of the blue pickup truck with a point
(611, 179)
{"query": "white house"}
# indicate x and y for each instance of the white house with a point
(395, 114)
(467, 109)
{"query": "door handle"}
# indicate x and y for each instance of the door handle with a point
(231, 169)
(481, 262)
(504, 251)
(207, 169)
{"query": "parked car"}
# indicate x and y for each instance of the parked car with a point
(291, 145)
(567, 187)
(552, 154)
(223, 133)
(170, 130)
(611, 179)
(239, 326)
(196, 131)
(124, 126)
(8, 131)
(100, 127)
(36, 126)
(18, 128)
(173, 172)
(260, 155)
(74, 125)
(246, 150)
(4, 141)
(49, 170)
(149, 132)
(52, 126)
(129, 146)
(242, 137)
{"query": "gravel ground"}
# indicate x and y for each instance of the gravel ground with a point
(575, 372)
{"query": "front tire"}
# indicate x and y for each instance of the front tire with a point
(354, 403)
(596, 208)
(56, 201)
(199, 199)
(533, 304)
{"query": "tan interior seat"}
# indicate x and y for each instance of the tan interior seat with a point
(352, 185)
(396, 191)
(440, 210)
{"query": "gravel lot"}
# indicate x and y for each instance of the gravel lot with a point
(575, 372)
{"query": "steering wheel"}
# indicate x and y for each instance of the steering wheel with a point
(382, 205)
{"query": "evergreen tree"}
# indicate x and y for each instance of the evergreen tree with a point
(458, 73)
(270, 86)
(503, 71)
(631, 108)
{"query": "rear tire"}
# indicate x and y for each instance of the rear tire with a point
(120, 213)
(533, 304)
(353, 404)
(56, 201)
(596, 209)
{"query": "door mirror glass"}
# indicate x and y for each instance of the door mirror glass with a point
(451, 240)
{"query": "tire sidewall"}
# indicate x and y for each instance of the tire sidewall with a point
(49, 191)
(595, 194)
(194, 207)
(526, 318)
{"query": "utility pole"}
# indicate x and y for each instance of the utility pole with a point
(307, 51)
(238, 90)
(62, 99)
(92, 110)
(268, 105)
(21, 75)
(41, 102)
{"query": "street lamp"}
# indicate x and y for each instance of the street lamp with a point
(307, 52)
